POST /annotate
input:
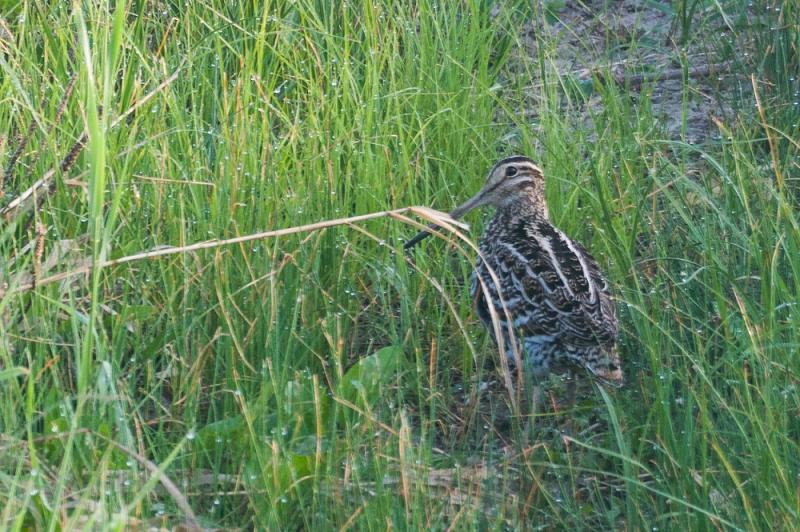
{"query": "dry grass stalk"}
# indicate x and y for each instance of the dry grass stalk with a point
(440, 218)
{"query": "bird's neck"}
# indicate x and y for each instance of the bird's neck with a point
(527, 203)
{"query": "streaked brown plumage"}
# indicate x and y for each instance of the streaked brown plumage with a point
(550, 299)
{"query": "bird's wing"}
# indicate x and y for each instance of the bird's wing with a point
(550, 285)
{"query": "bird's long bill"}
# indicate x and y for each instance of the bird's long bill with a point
(475, 201)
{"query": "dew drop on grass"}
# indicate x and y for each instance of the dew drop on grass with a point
(34, 492)
(191, 435)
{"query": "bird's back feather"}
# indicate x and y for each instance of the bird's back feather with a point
(552, 289)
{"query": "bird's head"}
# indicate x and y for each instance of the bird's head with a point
(509, 180)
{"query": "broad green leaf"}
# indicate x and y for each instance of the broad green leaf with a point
(365, 379)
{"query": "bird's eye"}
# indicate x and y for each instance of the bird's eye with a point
(511, 171)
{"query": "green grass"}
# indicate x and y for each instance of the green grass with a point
(322, 380)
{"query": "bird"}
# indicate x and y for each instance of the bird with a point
(553, 305)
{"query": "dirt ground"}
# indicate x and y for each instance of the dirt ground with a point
(639, 44)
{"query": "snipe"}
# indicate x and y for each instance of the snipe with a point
(552, 302)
